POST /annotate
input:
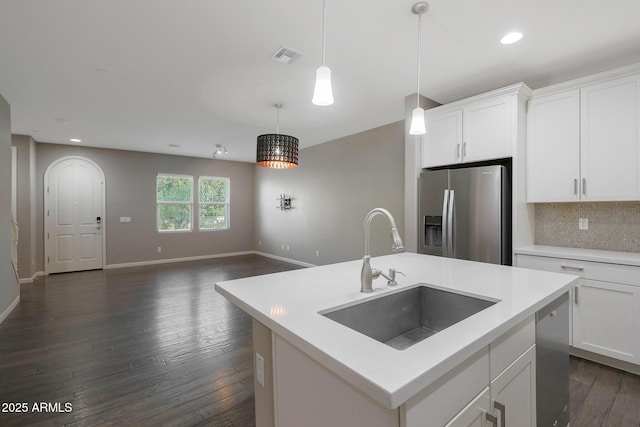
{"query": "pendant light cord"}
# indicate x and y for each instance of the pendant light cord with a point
(278, 107)
(419, 37)
(324, 18)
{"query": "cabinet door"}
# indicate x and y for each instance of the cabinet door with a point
(553, 147)
(474, 414)
(488, 129)
(606, 319)
(442, 145)
(513, 392)
(611, 140)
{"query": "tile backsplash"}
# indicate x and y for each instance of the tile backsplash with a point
(613, 226)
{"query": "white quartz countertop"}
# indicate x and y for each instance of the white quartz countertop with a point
(288, 303)
(611, 257)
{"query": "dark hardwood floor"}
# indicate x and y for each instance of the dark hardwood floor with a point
(143, 346)
(158, 346)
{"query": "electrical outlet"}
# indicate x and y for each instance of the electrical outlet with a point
(159, 249)
(260, 369)
(583, 224)
(259, 242)
(288, 248)
(317, 253)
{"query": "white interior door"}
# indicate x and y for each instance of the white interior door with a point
(74, 216)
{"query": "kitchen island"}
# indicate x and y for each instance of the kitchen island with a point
(316, 371)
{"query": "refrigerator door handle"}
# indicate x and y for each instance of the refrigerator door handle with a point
(445, 239)
(450, 225)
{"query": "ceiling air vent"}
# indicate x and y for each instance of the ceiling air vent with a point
(285, 54)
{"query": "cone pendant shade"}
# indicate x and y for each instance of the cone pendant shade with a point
(417, 122)
(323, 93)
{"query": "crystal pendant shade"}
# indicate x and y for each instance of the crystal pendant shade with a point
(277, 151)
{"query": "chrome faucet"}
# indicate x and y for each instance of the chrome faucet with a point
(368, 274)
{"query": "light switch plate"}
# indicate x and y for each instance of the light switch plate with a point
(125, 219)
(583, 224)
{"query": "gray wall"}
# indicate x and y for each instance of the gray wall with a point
(333, 188)
(8, 281)
(130, 191)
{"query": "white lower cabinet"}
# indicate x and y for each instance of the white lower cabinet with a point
(513, 392)
(606, 319)
(495, 387)
(605, 307)
(510, 401)
(475, 414)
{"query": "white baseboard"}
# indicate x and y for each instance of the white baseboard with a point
(31, 279)
(9, 309)
(289, 260)
(170, 260)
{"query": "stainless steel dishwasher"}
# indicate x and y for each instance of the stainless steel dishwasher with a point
(552, 364)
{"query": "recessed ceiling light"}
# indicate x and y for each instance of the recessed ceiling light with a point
(511, 38)
(75, 140)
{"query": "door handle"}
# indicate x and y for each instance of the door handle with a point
(584, 186)
(445, 209)
(575, 186)
(503, 412)
(491, 418)
(571, 267)
(575, 295)
(450, 219)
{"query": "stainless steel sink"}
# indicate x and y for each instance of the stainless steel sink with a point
(404, 318)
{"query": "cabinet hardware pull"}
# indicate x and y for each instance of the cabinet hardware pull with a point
(492, 419)
(464, 149)
(575, 186)
(503, 413)
(457, 150)
(575, 295)
(571, 267)
(584, 186)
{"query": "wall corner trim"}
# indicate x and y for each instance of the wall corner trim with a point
(9, 309)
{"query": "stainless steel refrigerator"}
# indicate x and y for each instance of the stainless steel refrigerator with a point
(465, 213)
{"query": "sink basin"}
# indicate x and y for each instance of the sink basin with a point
(404, 318)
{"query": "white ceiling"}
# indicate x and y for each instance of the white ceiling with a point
(143, 74)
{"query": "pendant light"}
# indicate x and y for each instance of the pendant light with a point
(277, 151)
(323, 93)
(417, 117)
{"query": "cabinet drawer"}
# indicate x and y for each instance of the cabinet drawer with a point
(441, 401)
(511, 345)
(626, 274)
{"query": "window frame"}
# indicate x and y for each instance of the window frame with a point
(190, 204)
(226, 203)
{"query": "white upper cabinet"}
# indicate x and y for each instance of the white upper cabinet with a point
(553, 151)
(442, 145)
(610, 156)
(483, 127)
(487, 130)
(583, 143)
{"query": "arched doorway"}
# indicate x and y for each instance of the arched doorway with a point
(74, 207)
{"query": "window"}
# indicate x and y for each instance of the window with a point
(174, 196)
(213, 198)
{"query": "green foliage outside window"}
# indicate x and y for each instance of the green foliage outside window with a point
(213, 195)
(174, 195)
